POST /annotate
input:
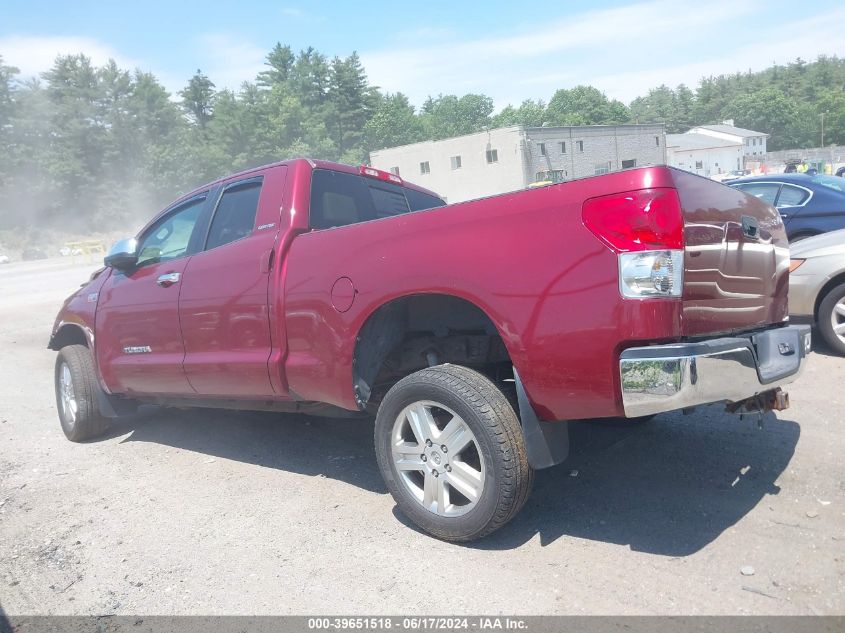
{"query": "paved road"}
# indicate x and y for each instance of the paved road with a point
(207, 512)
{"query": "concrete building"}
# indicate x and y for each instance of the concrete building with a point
(511, 158)
(753, 143)
(704, 155)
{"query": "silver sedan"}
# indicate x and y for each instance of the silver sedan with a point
(817, 285)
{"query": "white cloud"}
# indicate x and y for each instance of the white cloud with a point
(624, 51)
(807, 38)
(229, 61)
(35, 54)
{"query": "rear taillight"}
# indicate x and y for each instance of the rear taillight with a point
(646, 229)
(640, 220)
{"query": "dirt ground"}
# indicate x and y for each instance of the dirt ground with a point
(214, 512)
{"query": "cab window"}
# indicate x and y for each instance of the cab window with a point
(169, 238)
(339, 198)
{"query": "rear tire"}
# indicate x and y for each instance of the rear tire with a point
(451, 451)
(831, 318)
(76, 394)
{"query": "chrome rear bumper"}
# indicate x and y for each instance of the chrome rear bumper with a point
(667, 377)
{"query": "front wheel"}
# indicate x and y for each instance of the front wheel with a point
(451, 451)
(832, 318)
(76, 394)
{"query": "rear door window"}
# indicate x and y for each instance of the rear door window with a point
(234, 217)
(791, 196)
(766, 191)
(340, 198)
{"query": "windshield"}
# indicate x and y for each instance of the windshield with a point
(831, 182)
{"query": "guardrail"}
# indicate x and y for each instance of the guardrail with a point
(86, 250)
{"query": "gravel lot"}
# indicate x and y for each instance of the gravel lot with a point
(208, 512)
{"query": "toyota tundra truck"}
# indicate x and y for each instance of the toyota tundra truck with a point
(472, 332)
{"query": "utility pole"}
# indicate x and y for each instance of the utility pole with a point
(822, 129)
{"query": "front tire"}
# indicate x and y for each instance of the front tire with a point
(76, 394)
(451, 451)
(832, 318)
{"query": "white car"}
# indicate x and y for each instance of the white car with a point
(4, 259)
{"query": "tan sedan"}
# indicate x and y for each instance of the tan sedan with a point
(817, 285)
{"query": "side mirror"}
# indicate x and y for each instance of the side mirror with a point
(123, 255)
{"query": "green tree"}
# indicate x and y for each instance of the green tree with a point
(7, 86)
(831, 104)
(664, 105)
(768, 110)
(7, 110)
(78, 138)
(448, 115)
(393, 123)
(351, 102)
(198, 98)
(529, 113)
(309, 78)
(585, 105)
(280, 60)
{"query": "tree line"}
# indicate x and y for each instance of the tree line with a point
(85, 147)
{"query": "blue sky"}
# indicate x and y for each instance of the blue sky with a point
(508, 50)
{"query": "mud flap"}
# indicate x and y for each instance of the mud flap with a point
(546, 443)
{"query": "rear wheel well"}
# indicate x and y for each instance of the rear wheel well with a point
(830, 285)
(68, 335)
(411, 333)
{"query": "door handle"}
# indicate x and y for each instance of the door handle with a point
(750, 227)
(168, 279)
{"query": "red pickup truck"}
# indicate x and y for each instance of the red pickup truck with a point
(472, 331)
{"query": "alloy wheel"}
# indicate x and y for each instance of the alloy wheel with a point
(837, 319)
(438, 458)
(66, 392)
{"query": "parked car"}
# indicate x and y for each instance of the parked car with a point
(732, 175)
(817, 285)
(808, 204)
(470, 331)
(33, 252)
(4, 259)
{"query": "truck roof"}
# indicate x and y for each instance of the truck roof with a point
(315, 164)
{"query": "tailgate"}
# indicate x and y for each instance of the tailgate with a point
(736, 264)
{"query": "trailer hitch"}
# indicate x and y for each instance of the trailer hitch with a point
(772, 400)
